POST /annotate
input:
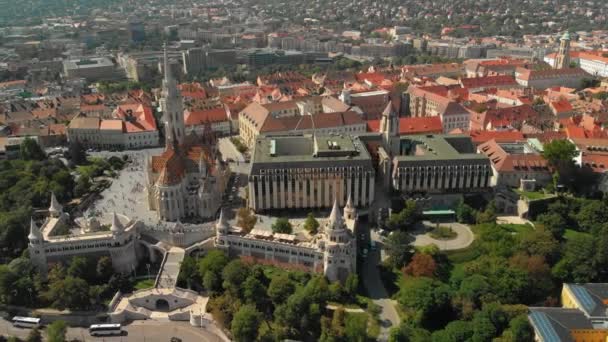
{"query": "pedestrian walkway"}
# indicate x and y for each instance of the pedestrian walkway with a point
(167, 277)
(376, 291)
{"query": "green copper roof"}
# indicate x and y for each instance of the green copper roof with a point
(566, 36)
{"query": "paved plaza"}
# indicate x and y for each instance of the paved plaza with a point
(126, 195)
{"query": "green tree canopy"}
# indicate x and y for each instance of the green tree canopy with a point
(559, 152)
(246, 323)
(55, 332)
(282, 225)
(398, 249)
(30, 150)
(311, 224)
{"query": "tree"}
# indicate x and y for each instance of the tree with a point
(214, 262)
(559, 152)
(76, 152)
(55, 332)
(427, 298)
(405, 218)
(422, 265)
(592, 215)
(280, 288)
(351, 285)
(234, 274)
(282, 225)
(333, 330)
(455, 331)
(540, 241)
(574, 266)
(488, 215)
(104, 269)
(398, 249)
(520, 330)
(254, 292)
(311, 224)
(34, 336)
(355, 327)
(71, 293)
(554, 222)
(246, 323)
(212, 281)
(30, 150)
(80, 267)
(465, 213)
(408, 332)
(245, 219)
(188, 271)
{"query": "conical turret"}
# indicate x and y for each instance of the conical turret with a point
(349, 209)
(55, 209)
(222, 226)
(117, 227)
(335, 218)
(35, 235)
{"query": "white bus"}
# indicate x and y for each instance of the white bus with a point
(26, 322)
(105, 329)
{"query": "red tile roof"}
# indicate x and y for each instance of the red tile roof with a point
(479, 137)
(561, 106)
(506, 162)
(412, 125)
(137, 117)
(488, 81)
(199, 117)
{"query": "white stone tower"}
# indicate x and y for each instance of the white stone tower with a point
(36, 249)
(171, 105)
(339, 255)
(562, 58)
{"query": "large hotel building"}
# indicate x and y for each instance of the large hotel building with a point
(440, 164)
(310, 171)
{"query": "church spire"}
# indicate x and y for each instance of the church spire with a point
(171, 105)
(35, 234)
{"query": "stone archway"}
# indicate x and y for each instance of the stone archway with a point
(162, 305)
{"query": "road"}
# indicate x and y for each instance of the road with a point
(375, 288)
(138, 331)
(464, 238)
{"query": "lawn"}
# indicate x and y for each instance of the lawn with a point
(534, 195)
(517, 228)
(570, 233)
(443, 233)
(144, 284)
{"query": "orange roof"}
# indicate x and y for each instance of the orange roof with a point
(57, 129)
(199, 117)
(561, 106)
(573, 132)
(113, 125)
(137, 117)
(479, 137)
(597, 162)
(488, 81)
(506, 162)
(412, 125)
(193, 90)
